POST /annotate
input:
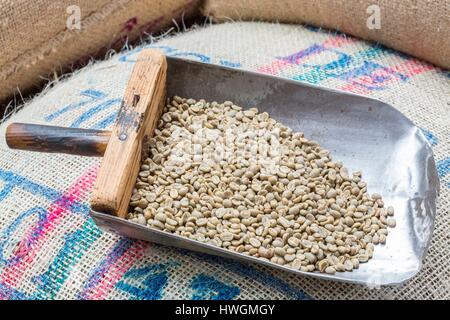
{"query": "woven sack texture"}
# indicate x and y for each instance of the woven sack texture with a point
(50, 247)
(36, 40)
(418, 27)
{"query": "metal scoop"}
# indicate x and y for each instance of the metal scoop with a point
(365, 134)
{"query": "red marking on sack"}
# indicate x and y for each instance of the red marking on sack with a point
(128, 27)
(12, 275)
(130, 24)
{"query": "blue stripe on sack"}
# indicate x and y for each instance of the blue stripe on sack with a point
(357, 65)
(173, 52)
(93, 111)
(99, 271)
(268, 280)
(106, 122)
(247, 270)
(10, 229)
(92, 94)
(75, 246)
(443, 168)
(126, 56)
(12, 293)
(12, 180)
(206, 287)
(431, 138)
(230, 64)
(147, 283)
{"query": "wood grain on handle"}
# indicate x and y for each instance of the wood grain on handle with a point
(43, 138)
(141, 108)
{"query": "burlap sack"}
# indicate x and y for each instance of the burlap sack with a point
(418, 27)
(41, 36)
(50, 248)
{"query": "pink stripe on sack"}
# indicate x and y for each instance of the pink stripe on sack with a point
(282, 63)
(116, 271)
(413, 67)
(338, 41)
(14, 273)
(274, 67)
(407, 69)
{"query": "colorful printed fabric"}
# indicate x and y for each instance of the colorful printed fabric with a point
(51, 249)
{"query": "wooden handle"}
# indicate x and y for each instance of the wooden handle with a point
(42, 138)
(141, 108)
